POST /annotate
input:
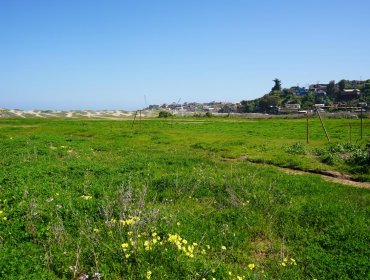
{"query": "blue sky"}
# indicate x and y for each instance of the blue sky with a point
(76, 54)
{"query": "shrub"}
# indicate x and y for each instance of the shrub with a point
(296, 149)
(164, 114)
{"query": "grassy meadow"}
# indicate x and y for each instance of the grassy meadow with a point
(181, 199)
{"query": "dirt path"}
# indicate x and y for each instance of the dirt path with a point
(327, 175)
(329, 178)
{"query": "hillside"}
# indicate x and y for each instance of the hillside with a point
(345, 93)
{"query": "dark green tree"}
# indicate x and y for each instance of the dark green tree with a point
(164, 114)
(268, 101)
(277, 86)
(248, 106)
(332, 90)
(287, 95)
(342, 85)
(308, 100)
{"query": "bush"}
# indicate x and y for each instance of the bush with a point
(342, 148)
(296, 149)
(361, 158)
(164, 114)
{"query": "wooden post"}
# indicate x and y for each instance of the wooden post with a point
(133, 122)
(140, 120)
(307, 127)
(361, 123)
(322, 124)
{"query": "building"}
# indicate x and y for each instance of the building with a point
(349, 94)
(293, 107)
(301, 91)
(319, 89)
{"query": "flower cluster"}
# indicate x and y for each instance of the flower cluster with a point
(154, 240)
(151, 241)
(130, 221)
(2, 216)
(287, 261)
(182, 245)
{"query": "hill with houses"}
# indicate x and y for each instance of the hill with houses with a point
(344, 94)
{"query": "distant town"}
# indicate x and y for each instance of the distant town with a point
(346, 94)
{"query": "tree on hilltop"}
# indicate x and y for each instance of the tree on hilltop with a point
(342, 85)
(332, 89)
(277, 86)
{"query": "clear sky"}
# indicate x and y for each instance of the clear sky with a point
(76, 54)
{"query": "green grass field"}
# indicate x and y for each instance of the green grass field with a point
(163, 199)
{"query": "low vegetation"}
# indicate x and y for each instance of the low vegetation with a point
(164, 114)
(163, 199)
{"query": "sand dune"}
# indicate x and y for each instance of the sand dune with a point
(104, 114)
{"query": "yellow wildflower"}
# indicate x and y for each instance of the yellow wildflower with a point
(124, 246)
(147, 245)
(148, 274)
(251, 266)
(223, 247)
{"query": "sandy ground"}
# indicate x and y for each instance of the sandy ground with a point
(105, 114)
